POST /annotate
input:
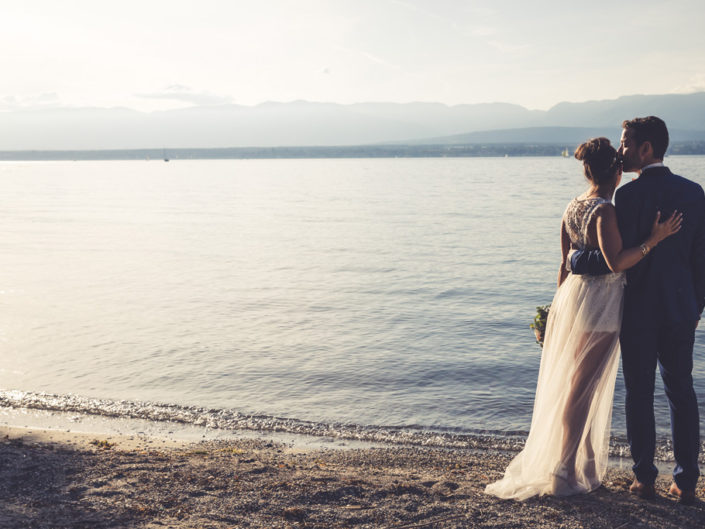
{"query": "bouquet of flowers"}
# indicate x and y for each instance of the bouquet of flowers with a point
(539, 325)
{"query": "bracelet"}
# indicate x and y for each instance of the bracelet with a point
(644, 249)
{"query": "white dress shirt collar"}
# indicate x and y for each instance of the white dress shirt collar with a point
(657, 164)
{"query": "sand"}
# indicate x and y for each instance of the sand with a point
(52, 479)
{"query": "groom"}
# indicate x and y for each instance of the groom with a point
(663, 300)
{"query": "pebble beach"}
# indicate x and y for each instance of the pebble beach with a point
(57, 479)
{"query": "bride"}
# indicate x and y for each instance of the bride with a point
(567, 447)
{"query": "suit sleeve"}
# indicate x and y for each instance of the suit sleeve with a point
(588, 262)
(698, 256)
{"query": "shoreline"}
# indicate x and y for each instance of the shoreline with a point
(51, 478)
(340, 152)
(77, 413)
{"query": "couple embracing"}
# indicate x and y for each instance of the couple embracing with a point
(632, 277)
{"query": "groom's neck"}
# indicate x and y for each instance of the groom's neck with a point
(647, 163)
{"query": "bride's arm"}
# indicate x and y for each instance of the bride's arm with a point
(565, 247)
(610, 241)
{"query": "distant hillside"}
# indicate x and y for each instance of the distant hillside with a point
(680, 111)
(302, 123)
(570, 136)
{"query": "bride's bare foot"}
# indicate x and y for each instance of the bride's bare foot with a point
(590, 468)
(591, 472)
(564, 481)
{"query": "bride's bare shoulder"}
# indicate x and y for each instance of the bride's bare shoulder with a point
(605, 208)
(605, 214)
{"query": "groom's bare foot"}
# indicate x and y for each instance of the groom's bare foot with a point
(643, 490)
(686, 497)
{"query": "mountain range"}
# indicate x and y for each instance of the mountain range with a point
(302, 123)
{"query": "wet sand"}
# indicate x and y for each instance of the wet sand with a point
(51, 479)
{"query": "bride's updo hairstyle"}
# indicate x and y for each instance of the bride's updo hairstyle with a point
(599, 160)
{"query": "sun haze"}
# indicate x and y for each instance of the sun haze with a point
(160, 55)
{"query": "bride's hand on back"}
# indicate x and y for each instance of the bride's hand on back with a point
(661, 230)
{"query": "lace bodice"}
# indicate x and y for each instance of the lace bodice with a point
(577, 218)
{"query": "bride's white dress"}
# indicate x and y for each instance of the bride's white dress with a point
(567, 448)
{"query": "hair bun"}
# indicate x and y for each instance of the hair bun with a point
(593, 149)
(598, 157)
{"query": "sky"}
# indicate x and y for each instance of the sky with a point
(155, 55)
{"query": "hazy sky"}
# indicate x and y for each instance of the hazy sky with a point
(150, 54)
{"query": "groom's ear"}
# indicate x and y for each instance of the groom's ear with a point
(646, 150)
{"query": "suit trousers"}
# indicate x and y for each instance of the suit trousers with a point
(670, 346)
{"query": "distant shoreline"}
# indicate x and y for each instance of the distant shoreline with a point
(352, 151)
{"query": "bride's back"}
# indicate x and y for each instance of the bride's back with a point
(580, 221)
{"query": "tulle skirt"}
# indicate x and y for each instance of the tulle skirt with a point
(567, 448)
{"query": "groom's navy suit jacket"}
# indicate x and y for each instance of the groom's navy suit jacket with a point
(669, 283)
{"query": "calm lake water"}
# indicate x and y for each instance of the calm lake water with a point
(393, 292)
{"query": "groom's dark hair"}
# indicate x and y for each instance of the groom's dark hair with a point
(651, 129)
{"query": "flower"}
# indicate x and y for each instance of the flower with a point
(539, 325)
